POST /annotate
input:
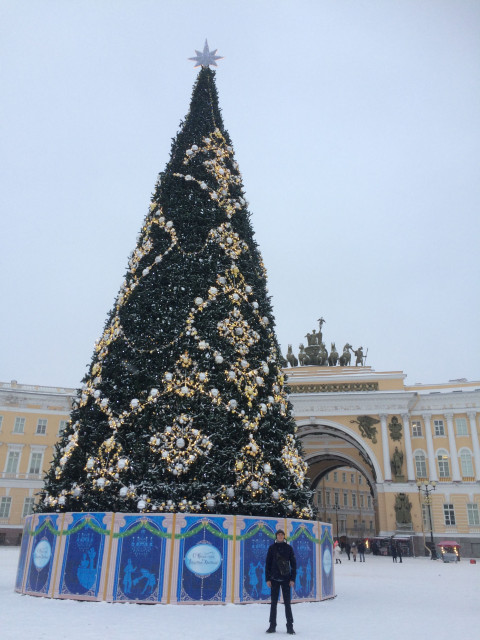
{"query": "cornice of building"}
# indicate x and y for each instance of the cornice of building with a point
(25, 396)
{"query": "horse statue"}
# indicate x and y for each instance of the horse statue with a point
(322, 356)
(333, 357)
(302, 356)
(346, 356)
(292, 359)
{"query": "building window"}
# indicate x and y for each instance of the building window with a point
(461, 424)
(420, 465)
(336, 497)
(362, 501)
(416, 429)
(319, 498)
(1, 421)
(19, 426)
(360, 479)
(443, 466)
(327, 476)
(335, 476)
(449, 514)
(327, 498)
(354, 500)
(344, 475)
(35, 463)
(363, 525)
(41, 427)
(355, 524)
(369, 502)
(352, 478)
(473, 516)
(5, 504)
(61, 426)
(439, 427)
(13, 460)
(345, 499)
(371, 525)
(466, 463)
(28, 507)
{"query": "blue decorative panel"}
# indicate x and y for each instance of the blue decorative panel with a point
(305, 548)
(208, 563)
(140, 563)
(83, 556)
(253, 552)
(327, 561)
(203, 561)
(23, 553)
(43, 552)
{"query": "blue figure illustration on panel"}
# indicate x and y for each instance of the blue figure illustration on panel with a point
(149, 578)
(253, 579)
(309, 577)
(254, 553)
(139, 566)
(87, 571)
(298, 580)
(265, 588)
(81, 561)
(127, 576)
(304, 552)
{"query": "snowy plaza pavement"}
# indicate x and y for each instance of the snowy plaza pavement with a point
(418, 599)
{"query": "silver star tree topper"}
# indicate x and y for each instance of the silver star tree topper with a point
(206, 57)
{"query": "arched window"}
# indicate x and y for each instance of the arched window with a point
(443, 465)
(466, 463)
(420, 464)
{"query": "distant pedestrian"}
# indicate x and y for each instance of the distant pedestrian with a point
(347, 549)
(338, 553)
(399, 552)
(354, 551)
(361, 550)
(393, 551)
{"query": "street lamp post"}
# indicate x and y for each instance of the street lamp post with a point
(426, 487)
(336, 506)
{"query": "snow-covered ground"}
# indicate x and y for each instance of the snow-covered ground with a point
(376, 600)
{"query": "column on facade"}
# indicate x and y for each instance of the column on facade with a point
(386, 453)
(408, 447)
(456, 477)
(432, 463)
(472, 415)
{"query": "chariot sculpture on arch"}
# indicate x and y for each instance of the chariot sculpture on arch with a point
(316, 354)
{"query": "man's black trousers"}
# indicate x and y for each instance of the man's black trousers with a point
(286, 600)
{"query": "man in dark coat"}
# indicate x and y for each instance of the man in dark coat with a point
(280, 573)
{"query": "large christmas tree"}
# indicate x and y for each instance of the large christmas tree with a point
(184, 407)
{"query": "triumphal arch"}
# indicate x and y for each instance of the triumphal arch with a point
(400, 438)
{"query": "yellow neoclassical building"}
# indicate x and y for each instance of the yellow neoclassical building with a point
(31, 419)
(397, 437)
(379, 436)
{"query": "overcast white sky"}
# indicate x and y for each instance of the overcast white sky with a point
(356, 125)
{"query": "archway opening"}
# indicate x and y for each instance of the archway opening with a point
(343, 476)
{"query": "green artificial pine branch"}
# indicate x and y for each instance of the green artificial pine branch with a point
(184, 406)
